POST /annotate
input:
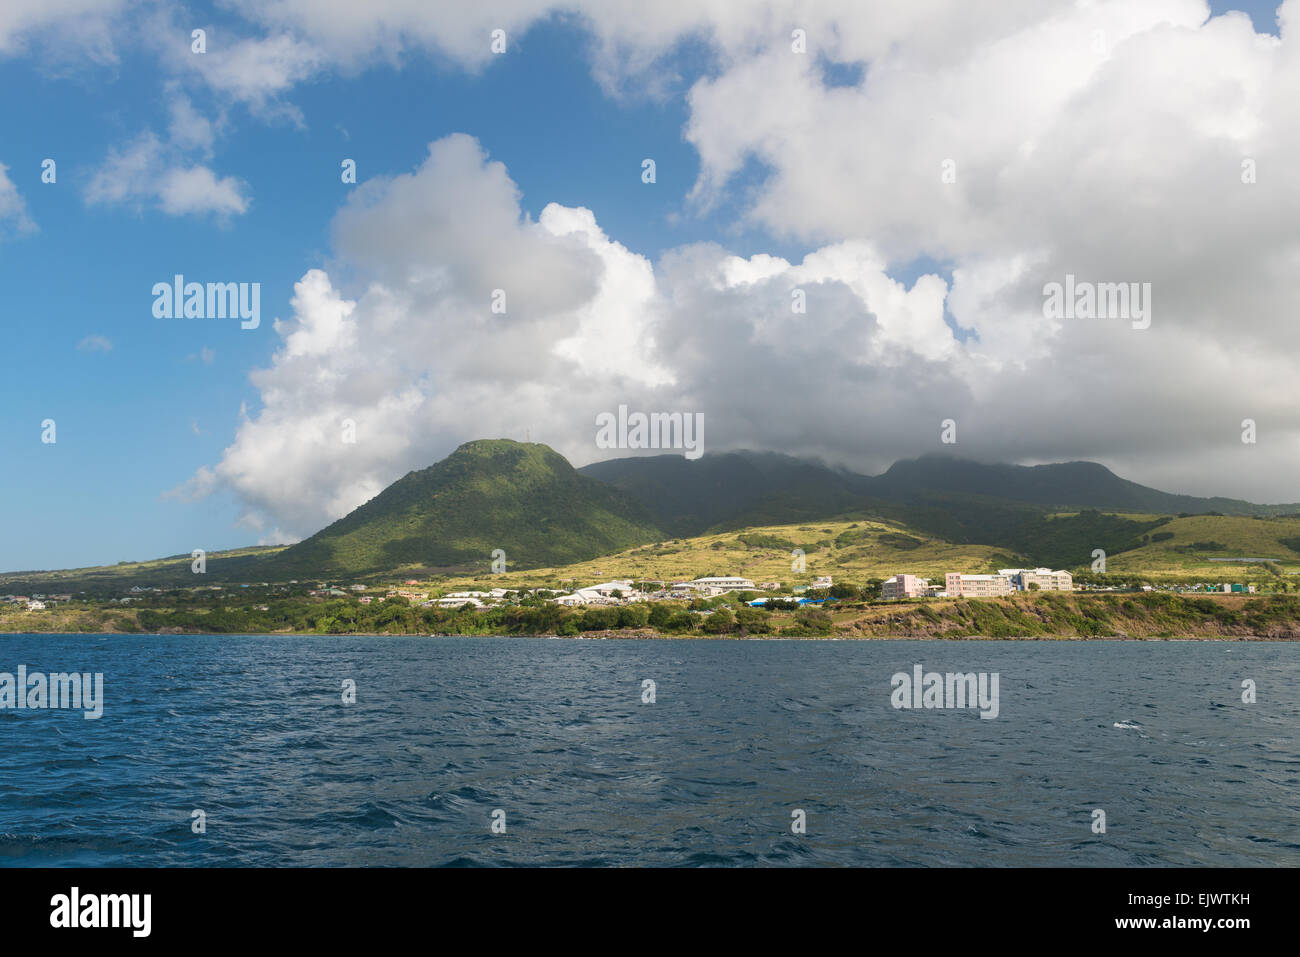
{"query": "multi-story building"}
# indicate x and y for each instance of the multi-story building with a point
(976, 586)
(720, 584)
(905, 586)
(1044, 578)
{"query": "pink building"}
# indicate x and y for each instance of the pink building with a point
(904, 586)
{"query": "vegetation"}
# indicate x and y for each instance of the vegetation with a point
(1023, 615)
(1078, 615)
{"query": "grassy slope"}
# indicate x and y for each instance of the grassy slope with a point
(856, 551)
(236, 564)
(850, 550)
(1242, 538)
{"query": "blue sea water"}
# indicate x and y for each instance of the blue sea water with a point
(253, 731)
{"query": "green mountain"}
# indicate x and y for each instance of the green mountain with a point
(957, 500)
(731, 489)
(492, 494)
(1063, 485)
(530, 502)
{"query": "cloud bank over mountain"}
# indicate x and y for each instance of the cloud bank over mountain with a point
(1001, 149)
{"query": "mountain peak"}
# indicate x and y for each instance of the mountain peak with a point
(523, 498)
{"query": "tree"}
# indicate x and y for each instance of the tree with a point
(720, 622)
(660, 613)
(599, 619)
(813, 620)
(633, 616)
(680, 621)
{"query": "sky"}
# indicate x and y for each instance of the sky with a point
(917, 172)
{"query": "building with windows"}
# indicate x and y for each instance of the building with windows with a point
(976, 586)
(905, 586)
(720, 584)
(1044, 578)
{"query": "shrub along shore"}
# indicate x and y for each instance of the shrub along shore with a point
(1043, 615)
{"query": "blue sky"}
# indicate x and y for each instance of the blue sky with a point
(138, 419)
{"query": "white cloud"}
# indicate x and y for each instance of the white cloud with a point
(417, 359)
(152, 171)
(198, 190)
(95, 344)
(255, 71)
(1101, 139)
(13, 208)
(189, 129)
(63, 29)
(419, 362)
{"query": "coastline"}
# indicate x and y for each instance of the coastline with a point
(650, 634)
(1023, 617)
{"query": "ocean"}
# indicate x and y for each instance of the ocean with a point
(241, 751)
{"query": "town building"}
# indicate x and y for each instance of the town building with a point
(459, 600)
(1044, 578)
(905, 586)
(606, 593)
(717, 585)
(976, 586)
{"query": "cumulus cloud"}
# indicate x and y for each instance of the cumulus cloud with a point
(254, 71)
(417, 361)
(13, 208)
(169, 173)
(95, 344)
(61, 28)
(199, 190)
(1009, 148)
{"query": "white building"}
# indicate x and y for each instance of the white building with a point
(1044, 578)
(976, 586)
(456, 601)
(606, 593)
(721, 584)
(612, 589)
(35, 605)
